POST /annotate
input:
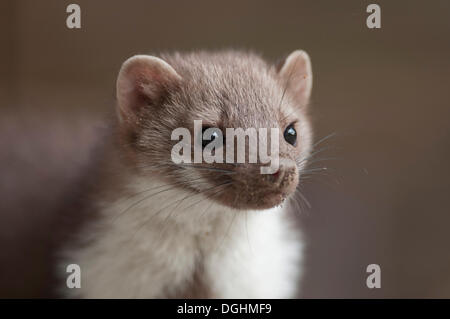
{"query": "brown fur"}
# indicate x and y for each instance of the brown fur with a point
(225, 90)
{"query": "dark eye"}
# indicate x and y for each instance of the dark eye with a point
(290, 135)
(213, 133)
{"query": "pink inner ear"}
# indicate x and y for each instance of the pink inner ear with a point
(148, 83)
(297, 75)
(141, 81)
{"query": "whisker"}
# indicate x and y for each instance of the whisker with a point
(324, 139)
(198, 202)
(176, 201)
(316, 169)
(313, 154)
(223, 184)
(304, 199)
(150, 196)
(227, 232)
(160, 186)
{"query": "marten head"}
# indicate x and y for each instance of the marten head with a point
(225, 90)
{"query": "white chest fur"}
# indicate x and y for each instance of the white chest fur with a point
(151, 248)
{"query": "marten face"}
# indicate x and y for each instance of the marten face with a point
(224, 91)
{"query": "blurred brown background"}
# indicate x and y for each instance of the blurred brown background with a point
(384, 92)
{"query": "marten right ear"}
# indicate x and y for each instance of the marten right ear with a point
(143, 80)
(296, 74)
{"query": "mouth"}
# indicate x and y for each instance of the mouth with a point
(251, 191)
(272, 199)
(260, 200)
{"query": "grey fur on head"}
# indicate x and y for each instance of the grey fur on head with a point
(226, 89)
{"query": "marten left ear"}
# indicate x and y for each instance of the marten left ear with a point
(143, 80)
(296, 74)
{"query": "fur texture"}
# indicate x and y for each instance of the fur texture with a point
(200, 249)
(210, 230)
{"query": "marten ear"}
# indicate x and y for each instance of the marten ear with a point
(143, 80)
(296, 74)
